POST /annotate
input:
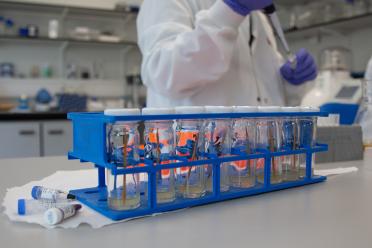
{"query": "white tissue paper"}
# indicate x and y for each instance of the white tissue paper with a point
(66, 180)
(337, 171)
(62, 180)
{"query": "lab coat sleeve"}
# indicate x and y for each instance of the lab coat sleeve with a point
(181, 56)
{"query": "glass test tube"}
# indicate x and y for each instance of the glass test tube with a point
(268, 138)
(243, 173)
(307, 126)
(190, 180)
(290, 141)
(123, 143)
(160, 148)
(218, 143)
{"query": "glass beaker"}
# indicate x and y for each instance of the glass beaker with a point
(243, 173)
(268, 138)
(307, 126)
(160, 148)
(190, 180)
(290, 133)
(218, 144)
(123, 143)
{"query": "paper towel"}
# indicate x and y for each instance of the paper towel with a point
(62, 180)
(337, 171)
(66, 180)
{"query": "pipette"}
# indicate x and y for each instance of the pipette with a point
(270, 11)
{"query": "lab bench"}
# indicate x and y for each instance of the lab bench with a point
(336, 213)
(34, 134)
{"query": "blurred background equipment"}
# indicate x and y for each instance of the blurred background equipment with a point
(335, 91)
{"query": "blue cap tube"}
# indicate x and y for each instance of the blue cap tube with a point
(21, 207)
(34, 192)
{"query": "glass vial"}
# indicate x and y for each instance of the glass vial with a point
(218, 144)
(268, 138)
(290, 137)
(243, 173)
(307, 126)
(123, 143)
(190, 180)
(160, 148)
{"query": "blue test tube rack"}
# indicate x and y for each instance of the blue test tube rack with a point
(89, 145)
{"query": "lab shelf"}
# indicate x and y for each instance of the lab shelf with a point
(342, 25)
(59, 9)
(5, 38)
(89, 145)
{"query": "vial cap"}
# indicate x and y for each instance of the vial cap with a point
(190, 110)
(34, 192)
(291, 109)
(310, 109)
(218, 109)
(71, 197)
(158, 111)
(245, 109)
(269, 109)
(21, 206)
(122, 112)
(53, 216)
(77, 207)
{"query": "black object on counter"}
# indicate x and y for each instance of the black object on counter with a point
(32, 116)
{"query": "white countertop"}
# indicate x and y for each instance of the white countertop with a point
(337, 213)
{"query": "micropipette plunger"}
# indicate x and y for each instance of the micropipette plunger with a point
(270, 11)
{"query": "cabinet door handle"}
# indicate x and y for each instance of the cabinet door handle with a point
(56, 132)
(27, 132)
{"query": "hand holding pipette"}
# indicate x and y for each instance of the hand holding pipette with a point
(299, 67)
(305, 70)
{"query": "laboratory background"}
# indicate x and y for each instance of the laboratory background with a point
(72, 78)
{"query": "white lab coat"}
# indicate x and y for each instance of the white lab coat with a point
(368, 75)
(366, 114)
(196, 52)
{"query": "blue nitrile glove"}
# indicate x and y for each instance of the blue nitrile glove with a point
(306, 69)
(244, 7)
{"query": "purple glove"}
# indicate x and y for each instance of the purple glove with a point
(244, 7)
(305, 70)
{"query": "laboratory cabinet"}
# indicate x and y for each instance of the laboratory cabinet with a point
(34, 138)
(56, 138)
(19, 139)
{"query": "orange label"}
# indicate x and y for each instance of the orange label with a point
(260, 163)
(185, 136)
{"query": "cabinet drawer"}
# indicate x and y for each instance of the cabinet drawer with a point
(57, 138)
(19, 139)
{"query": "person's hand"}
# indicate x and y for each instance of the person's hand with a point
(244, 7)
(306, 69)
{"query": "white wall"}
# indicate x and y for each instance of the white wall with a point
(359, 42)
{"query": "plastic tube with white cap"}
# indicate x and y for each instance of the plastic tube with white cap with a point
(123, 144)
(190, 181)
(290, 132)
(307, 127)
(218, 143)
(243, 173)
(269, 138)
(160, 148)
(54, 216)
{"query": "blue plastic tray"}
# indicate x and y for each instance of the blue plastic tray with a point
(89, 145)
